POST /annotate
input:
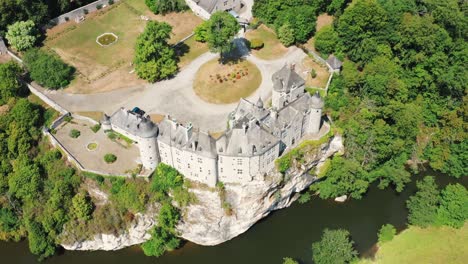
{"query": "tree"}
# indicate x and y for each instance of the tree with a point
(39, 243)
(335, 246)
(25, 181)
(222, 27)
(453, 209)
(289, 261)
(82, 206)
(9, 83)
(154, 57)
(422, 206)
(201, 32)
(166, 6)
(386, 233)
(47, 69)
(301, 19)
(326, 40)
(286, 35)
(22, 35)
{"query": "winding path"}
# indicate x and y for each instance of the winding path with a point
(176, 96)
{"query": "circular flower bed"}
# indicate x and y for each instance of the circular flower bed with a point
(92, 146)
(107, 39)
(110, 158)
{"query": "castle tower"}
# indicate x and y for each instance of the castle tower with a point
(147, 143)
(315, 115)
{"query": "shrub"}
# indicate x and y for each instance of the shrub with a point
(98, 6)
(96, 128)
(335, 246)
(386, 233)
(22, 35)
(111, 2)
(256, 44)
(201, 32)
(110, 158)
(85, 11)
(48, 69)
(67, 119)
(286, 35)
(304, 198)
(112, 135)
(313, 73)
(74, 133)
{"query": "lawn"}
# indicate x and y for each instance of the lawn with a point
(190, 50)
(429, 245)
(106, 68)
(304, 69)
(226, 83)
(273, 49)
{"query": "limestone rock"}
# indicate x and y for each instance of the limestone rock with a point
(341, 199)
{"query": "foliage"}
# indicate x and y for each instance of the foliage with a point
(10, 84)
(289, 261)
(256, 44)
(154, 57)
(39, 243)
(47, 69)
(163, 235)
(201, 32)
(22, 35)
(345, 177)
(335, 246)
(386, 233)
(453, 209)
(221, 29)
(304, 198)
(326, 40)
(166, 6)
(110, 158)
(423, 205)
(74, 133)
(82, 206)
(301, 20)
(286, 35)
(313, 73)
(96, 128)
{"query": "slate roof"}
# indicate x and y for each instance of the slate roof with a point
(285, 79)
(208, 5)
(202, 144)
(334, 62)
(245, 139)
(247, 108)
(133, 123)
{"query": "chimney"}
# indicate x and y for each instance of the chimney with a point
(273, 113)
(244, 127)
(293, 66)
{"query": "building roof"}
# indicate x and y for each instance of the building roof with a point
(173, 133)
(334, 62)
(247, 108)
(207, 5)
(133, 123)
(246, 138)
(316, 101)
(202, 144)
(285, 79)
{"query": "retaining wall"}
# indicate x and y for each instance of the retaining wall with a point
(79, 12)
(3, 48)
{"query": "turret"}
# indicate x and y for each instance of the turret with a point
(315, 116)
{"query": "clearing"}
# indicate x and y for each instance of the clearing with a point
(226, 83)
(428, 245)
(107, 68)
(273, 49)
(322, 20)
(304, 70)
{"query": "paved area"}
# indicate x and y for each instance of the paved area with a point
(127, 157)
(176, 96)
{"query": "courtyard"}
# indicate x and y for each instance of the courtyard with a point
(107, 67)
(89, 148)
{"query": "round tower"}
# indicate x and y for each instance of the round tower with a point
(105, 123)
(315, 115)
(147, 143)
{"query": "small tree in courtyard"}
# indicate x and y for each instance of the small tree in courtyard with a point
(22, 35)
(154, 57)
(386, 233)
(221, 29)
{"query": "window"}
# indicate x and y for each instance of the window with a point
(200, 169)
(188, 165)
(239, 172)
(200, 160)
(239, 161)
(221, 170)
(209, 172)
(225, 3)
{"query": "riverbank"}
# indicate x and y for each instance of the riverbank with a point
(428, 245)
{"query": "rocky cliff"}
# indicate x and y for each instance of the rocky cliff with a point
(207, 223)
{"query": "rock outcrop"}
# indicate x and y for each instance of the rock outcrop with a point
(207, 223)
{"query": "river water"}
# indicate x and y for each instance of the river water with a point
(288, 232)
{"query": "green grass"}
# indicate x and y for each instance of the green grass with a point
(429, 245)
(312, 91)
(272, 48)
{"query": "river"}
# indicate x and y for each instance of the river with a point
(288, 232)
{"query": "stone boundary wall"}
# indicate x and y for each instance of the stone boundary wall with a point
(321, 60)
(79, 12)
(85, 118)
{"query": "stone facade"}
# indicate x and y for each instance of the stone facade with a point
(204, 8)
(246, 151)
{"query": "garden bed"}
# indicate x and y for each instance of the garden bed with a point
(106, 39)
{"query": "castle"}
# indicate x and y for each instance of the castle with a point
(256, 137)
(204, 8)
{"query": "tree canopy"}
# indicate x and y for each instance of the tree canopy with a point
(154, 57)
(48, 69)
(10, 84)
(166, 6)
(221, 29)
(335, 246)
(22, 35)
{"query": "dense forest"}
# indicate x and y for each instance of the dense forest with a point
(400, 100)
